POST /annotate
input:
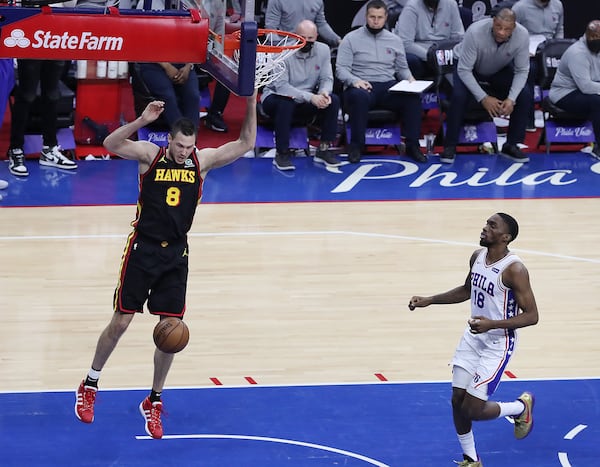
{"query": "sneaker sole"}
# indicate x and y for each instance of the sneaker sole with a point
(217, 129)
(19, 174)
(446, 161)
(328, 164)
(58, 166)
(291, 167)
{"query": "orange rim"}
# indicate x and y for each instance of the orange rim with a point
(232, 41)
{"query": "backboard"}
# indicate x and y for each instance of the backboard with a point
(226, 16)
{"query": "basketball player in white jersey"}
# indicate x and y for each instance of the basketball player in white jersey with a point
(501, 302)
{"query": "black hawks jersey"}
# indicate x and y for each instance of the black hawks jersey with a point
(169, 195)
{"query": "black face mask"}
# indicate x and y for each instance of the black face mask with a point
(307, 47)
(593, 45)
(373, 30)
(433, 4)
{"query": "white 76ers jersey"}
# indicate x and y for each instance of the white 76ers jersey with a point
(489, 296)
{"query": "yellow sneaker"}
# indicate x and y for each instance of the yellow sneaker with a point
(524, 422)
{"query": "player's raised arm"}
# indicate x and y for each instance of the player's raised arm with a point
(118, 141)
(212, 158)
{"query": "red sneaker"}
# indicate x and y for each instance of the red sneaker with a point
(151, 412)
(84, 404)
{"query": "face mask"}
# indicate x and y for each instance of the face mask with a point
(593, 45)
(373, 30)
(307, 47)
(433, 4)
(543, 3)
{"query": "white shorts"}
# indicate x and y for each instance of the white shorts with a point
(482, 358)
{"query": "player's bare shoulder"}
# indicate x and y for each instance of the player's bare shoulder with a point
(515, 273)
(474, 256)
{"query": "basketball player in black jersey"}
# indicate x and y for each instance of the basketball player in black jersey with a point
(154, 267)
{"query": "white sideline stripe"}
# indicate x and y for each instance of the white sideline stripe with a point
(330, 232)
(274, 440)
(247, 386)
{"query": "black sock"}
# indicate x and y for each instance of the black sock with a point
(90, 382)
(155, 396)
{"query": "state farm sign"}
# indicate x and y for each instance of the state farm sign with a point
(79, 35)
(46, 40)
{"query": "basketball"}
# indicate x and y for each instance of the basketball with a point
(171, 335)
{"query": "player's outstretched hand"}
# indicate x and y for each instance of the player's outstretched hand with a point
(418, 302)
(153, 111)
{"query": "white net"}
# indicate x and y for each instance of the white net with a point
(271, 65)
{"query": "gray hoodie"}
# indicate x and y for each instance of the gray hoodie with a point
(306, 73)
(419, 27)
(286, 14)
(579, 69)
(374, 58)
(546, 21)
(480, 52)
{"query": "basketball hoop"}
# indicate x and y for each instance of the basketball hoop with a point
(273, 48)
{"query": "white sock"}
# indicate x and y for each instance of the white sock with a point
(511, 409)
(94, 374)
(467, 443)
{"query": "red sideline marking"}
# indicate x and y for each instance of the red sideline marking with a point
(509, 374)
(216, 381)
(380, 377)
(250, 379)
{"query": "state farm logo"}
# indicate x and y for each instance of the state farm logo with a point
(17, 39)
(65, 41)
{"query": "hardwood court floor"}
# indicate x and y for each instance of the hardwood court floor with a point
(294, 293)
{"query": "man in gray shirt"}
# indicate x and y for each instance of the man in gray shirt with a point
(304, 89)
(492, 68)
(286, 14)
(541, 18)
(370, 60)
(576, 85)
(423, 23)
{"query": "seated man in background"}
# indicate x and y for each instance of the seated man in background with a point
(176, 84)
(543, 19)
(576, 85)
(494, 51)
(285, 15)
(304, 89)
(370, 60)
(423, 23)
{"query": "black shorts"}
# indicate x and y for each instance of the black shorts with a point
(153, 272)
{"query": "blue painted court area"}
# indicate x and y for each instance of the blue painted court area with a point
(114, 182)
(357, 425)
